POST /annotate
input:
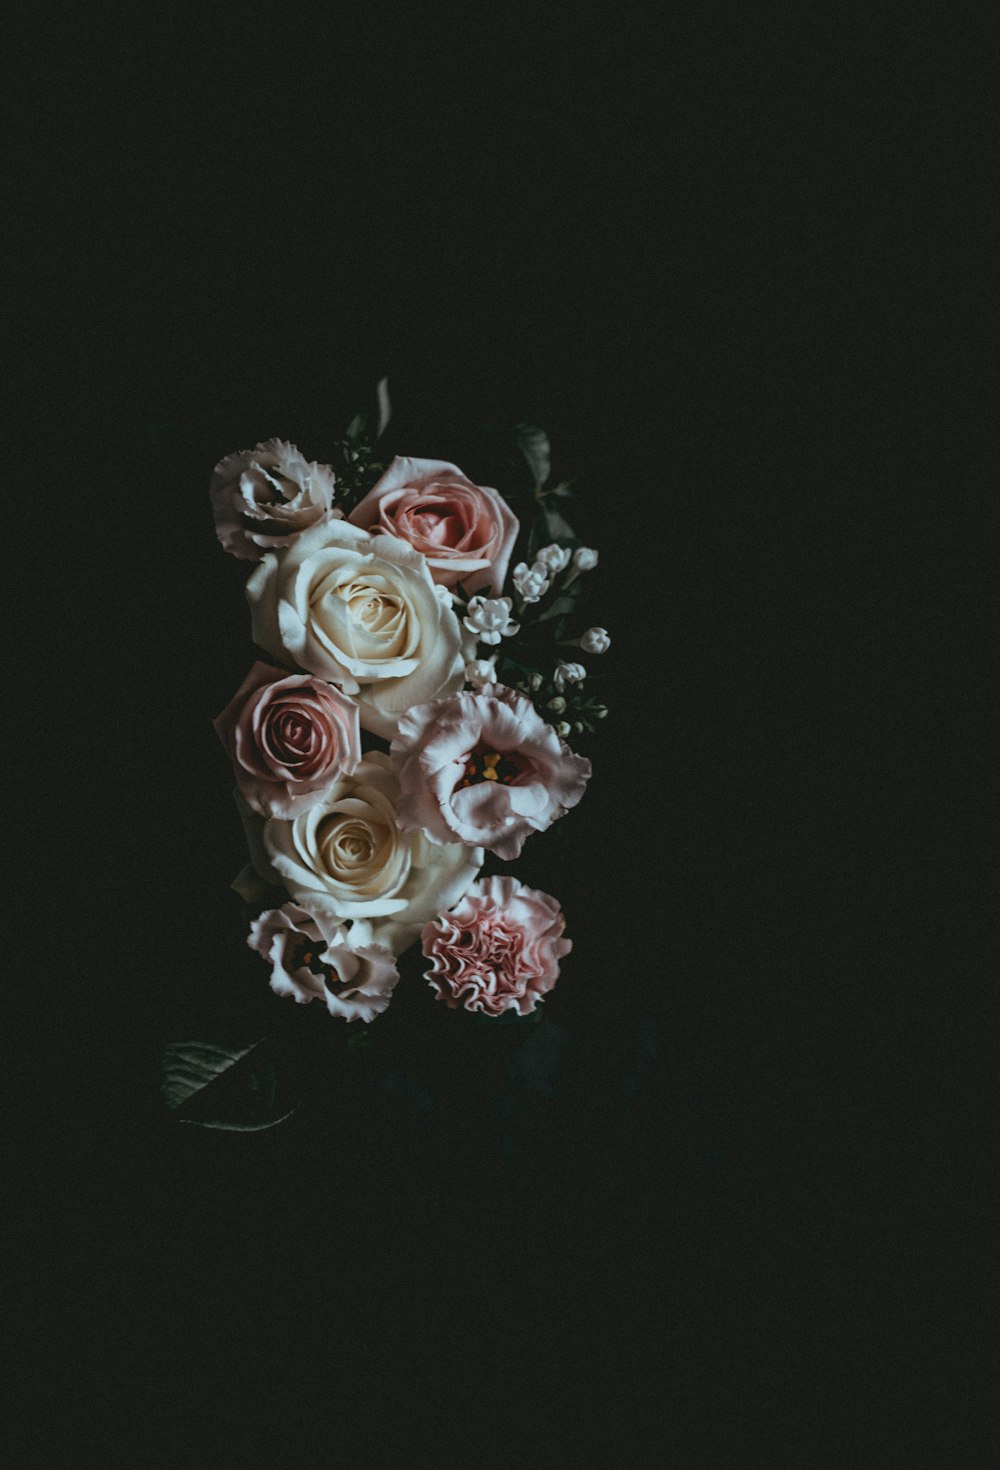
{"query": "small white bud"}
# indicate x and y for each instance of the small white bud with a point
(585, 559)
(595, 640)
(531, 582)
(556, 705)
(568, 674)
(553, 559)
(481, 671)
(562, 729)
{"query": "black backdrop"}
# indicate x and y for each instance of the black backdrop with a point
(717, 262)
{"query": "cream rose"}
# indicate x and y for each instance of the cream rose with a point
(362, 612)
(346, 858)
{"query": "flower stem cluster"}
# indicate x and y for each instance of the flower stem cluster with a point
(356, 472)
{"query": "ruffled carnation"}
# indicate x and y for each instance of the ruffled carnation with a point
(465, 531)
(264, 497)
(498, 950)
(289, 736)
(314, 958)
(483, 768)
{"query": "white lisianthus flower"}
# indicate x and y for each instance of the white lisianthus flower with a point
(531, 582)
(568, 674)
(481, 671)
(585, 558)
(553, 559)
(489, 618)
(595, 640)
(312, 957)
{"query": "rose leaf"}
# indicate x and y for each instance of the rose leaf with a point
(533, 443)
(232, 1086)
(370, 422)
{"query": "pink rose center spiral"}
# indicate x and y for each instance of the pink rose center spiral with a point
(294, 736)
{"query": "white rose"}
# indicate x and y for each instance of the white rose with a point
(346, 858)
(553, 558)
(595, 640)
(362, 612)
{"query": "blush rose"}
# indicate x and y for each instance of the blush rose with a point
(484, 768)
(289, 736)
(465, 531)
(497, 950)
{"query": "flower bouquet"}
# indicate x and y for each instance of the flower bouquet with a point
(408, 721)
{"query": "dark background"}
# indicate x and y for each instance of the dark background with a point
(733, 266)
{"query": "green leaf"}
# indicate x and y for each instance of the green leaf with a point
(533, 443)
(548, 527)
(238, 1087)
(563, 605)
(371, 421)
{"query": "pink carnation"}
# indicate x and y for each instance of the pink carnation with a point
(466, 532)
(485, 769)
(498, 950)
(264, 497)
(289, 736)
(312, 957)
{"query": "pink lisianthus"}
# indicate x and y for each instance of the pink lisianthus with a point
(264, 497)
(465, 531)
(497, 950)
(314, 958)
(483, 768)
(289, 736)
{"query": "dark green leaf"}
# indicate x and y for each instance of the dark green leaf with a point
(548, 527)
(533, 443)
(370, 422)
(238, 1087)
(564, 604)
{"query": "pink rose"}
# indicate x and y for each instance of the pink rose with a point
(289, 736)
(313, 957)
(263, 497)
(483, 768)
(465, 531)
(498, 950)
